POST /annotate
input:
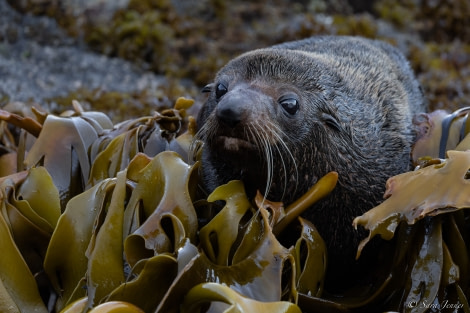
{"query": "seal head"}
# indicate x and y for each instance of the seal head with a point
(280, 118)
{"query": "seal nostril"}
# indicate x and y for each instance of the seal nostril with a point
(228, 116)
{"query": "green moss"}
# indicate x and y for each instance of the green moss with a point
(441, 21)
(4, 99)
(399, 12)
(444, 73)
(120, 106)
(357, 25)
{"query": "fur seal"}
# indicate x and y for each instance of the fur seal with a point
(280, 118)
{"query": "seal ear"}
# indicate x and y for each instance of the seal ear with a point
(208, 88)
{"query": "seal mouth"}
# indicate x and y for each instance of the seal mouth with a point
(234, 144)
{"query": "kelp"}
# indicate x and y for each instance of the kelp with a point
(253, 268)
(433, 264)
(107, 307)
(211, 292)
(106, 217)
(432, 190)
(238, 249)
(103, 223)
(19, 290)
(62, 148)
(440, 131)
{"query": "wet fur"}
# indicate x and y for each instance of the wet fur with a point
(357, 99)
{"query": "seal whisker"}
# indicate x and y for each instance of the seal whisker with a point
(205, 133)
(269, 163)
(284, 167)
(279, 134)
(270, 159)
(264, 148)
(200, 137)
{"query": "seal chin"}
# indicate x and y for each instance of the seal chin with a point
(234, 144)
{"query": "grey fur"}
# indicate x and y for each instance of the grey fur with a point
(357, 98)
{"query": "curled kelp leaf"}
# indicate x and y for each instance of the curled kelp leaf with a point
(105, 270)
(310, 250)
(26, 123)
(116, 307)
(183, 143)
(321, 189)
(183, 103)
(218, 236)
(259, 266)
(39, 191)
(160, 213)
(18, 288)
(66, 263)
(62, 148)
(143, 291)
(98, 120)
(410, 196)
(275, 209)
(450, 270)
(203, 294)
(310, 260)
(113, 150)
(426, 273)
(80, 305)
(455, 242)
(115, 157)
(455, 266)
(31, 209)
(14, 141)
(31, 205)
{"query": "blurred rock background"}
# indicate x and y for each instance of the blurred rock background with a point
(129, 57)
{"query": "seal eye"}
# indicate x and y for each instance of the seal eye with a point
(220, 90)
(289, 104)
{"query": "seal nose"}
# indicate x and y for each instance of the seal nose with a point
(228, 112)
